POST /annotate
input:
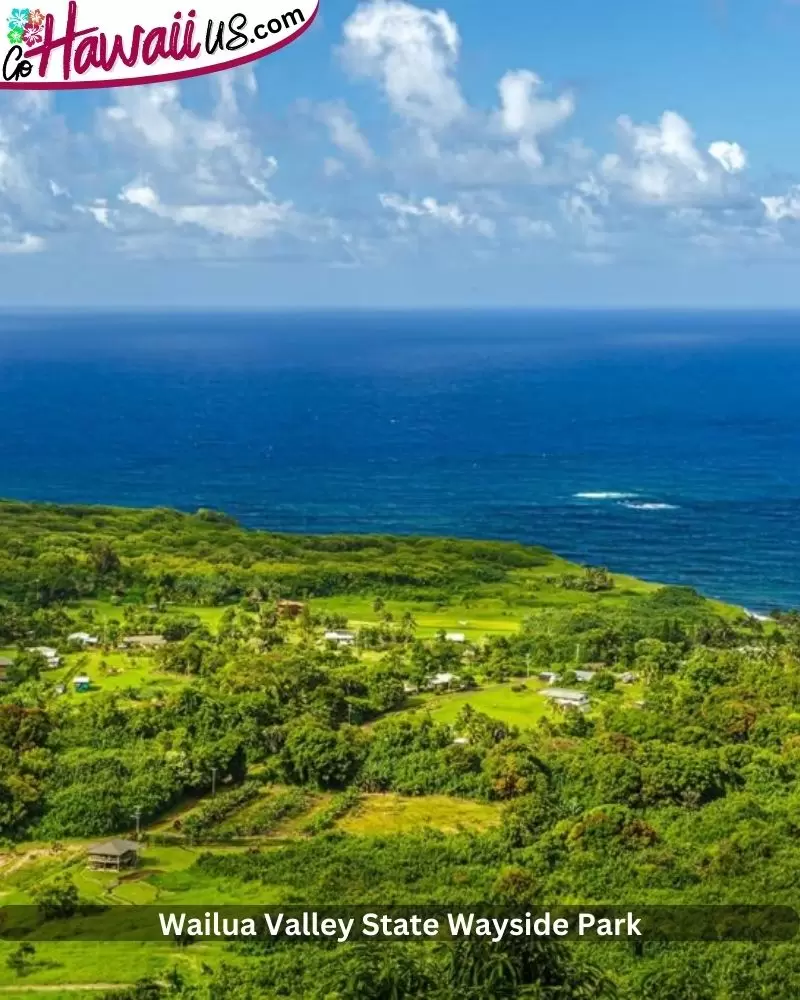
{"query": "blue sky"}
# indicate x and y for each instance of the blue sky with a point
(527, 154)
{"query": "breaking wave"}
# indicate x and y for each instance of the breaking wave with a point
(649, 506)
(605, 496)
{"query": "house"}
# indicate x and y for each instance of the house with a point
(50, 654)
(82, 684)
(341, 637)
(410, 688)
(549, 677)
(461, 741)
(442, 680)
(116, 854)
(143, 642)
(584, 676)
(567, 698)
(455, 637)
(83, 639)
(290, 609)
(5, 666)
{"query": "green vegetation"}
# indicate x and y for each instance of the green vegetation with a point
(416, 760)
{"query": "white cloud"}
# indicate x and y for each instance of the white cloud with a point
(534, 228)
(345, 133)
(190, 169)
(662, 163)
(24, 244)
(583, 208)
(450, 215)
(99, 210)
(730, 156)
(214, 155)
(244, 222)
(525, 115)
(785, 206)
(411, 52)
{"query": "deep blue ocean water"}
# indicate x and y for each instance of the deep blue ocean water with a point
(664, 445)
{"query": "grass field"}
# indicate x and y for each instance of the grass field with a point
(518, 708)
(114, 671)
(522, 709)
(381, 814)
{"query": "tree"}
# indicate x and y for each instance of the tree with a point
(20, 960)
(319, 756)
(104, 559)
(57, 900)
(28, 665)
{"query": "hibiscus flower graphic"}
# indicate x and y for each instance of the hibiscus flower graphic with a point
(32, 35)
(19, 18)
(15, 36)
(36, 18)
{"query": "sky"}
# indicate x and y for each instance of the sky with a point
(396, 155)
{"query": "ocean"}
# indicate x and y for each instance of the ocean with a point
(666, 445)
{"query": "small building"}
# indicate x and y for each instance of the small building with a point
(568, 698)
(442, 680)
(82, 684)
(114, 854)
(290, 609)
(341, 637)
(549, 677)
(584, 676)
(628, 677)
(143, 642)
(409, 688)
(455, 637)
(50, 654)
(461, 741)
(5, 666)
(83, 639)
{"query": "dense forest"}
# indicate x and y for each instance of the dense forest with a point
(679, 784)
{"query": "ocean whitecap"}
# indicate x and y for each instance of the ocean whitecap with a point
(604, 496)
(649, 506)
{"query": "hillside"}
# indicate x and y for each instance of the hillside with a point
(415, 755)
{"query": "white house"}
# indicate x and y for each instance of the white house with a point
(567, 698)
(442, 680)
(584, 676)
(455, 637)
(50, 654)
(461, 741)
(549, 677)
(83, 638)
(341, 637)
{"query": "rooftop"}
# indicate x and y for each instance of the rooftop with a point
(565, 694)
(114, 848)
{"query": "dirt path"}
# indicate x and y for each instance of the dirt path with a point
(12, 861)
(64, 987)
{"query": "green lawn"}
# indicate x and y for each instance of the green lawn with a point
(106, 611)
(518, 708)
(114, 671)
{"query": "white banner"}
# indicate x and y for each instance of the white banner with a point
(94, 43)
